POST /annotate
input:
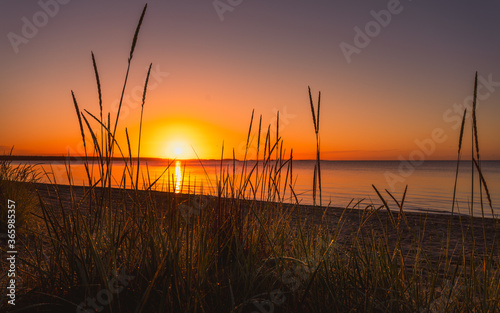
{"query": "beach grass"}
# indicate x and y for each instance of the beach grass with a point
(238, 247)
(12, 178)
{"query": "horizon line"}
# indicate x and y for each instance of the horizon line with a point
(81, 158)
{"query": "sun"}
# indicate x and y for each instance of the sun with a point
(178, 151)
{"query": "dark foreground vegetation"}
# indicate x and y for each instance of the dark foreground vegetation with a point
(96, 248)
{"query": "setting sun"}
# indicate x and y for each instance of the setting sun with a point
(178, 149)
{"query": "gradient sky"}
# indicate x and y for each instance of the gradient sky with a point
(211, 69)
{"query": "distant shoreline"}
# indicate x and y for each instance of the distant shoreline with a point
(56, 158)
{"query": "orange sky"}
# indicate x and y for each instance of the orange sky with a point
(209, 74)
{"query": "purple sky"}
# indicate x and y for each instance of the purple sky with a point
(391, 73)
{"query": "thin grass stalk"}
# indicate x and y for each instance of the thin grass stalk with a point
(282, 164)
(220, 180)
(319, 172)
(97, 150)
(130, 159)
(111, 138)
(243, 168)
(477, 164)
(312, 108)
(318, 149)
(219, 206)
(109, 161)
(476, 141)
(83, 137)
(111, 143)
(105, 149)
(400, 206)
(391, 217)
(234, 175)
(271, 180)
(204, 171)
(315, 179)
(291, 173)
(257, 160)
(315, 127)
(458, 162)
(287, 177)
(98, 82)
(140, 124)
(317, 168)
(277, 130)
(399, 231)
(483, 181)
(134, 42)
(264, 163)
(82, 133)
(183, 179)
(472, 146)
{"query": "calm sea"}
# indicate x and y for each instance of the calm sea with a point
(430, 184)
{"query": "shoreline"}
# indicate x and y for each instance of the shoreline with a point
(431, 228)
(116, 191)
(60, 158)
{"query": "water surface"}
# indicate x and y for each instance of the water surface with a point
(430, 184)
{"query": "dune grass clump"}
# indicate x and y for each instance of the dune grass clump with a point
(16, 182)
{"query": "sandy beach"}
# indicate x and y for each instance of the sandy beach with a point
(435, 231)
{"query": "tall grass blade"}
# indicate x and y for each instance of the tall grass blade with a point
(391, 217)
(483, 181)
(317, 115)
(79, 119)
(98, 81)
(312, 108)
(315, 177)
(317, 168)
(472, 146)
(458, 162)
(134, 42)
(94, 137)
(136, 35)
(474, 121)
(83, 136)
(249, 133)
(277, 131)
(476, 140)
(140, 123)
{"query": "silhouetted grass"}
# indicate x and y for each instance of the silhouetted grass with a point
(16, 182)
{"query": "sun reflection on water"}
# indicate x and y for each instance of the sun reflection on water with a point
(178, 177)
